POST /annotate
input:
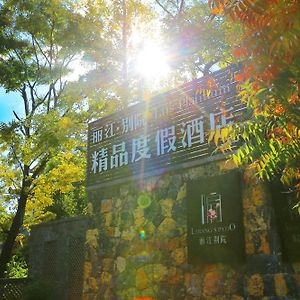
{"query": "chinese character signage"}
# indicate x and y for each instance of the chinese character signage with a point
(288, 221)
(215, 220)
(168, 132)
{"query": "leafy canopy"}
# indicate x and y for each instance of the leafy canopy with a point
(270, 84)
(42, 150)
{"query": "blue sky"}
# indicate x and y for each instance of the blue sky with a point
(8, 103)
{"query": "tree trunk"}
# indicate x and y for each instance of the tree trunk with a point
(12, 234)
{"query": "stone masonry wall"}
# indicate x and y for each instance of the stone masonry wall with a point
(137, 245)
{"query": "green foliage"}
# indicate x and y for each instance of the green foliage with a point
(70, 204)
(5, 221)
(270, 85)
(114, 76)
(17, 267)
(195, 40)
(43, 149)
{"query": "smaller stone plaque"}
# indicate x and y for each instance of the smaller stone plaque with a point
(288, 221)
(215, 220)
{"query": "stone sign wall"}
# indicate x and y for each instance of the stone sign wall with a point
(169, 220)
(137, 245)
(172, 220)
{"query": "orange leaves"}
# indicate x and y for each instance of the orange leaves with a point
(270, 29)
(269, 73)
(294, 99)
(279, 109)
(218, 10)
(278, 131)
(291, 128)
(255, 86)
(285, 135)
(269, 50)
(239, 77)
(257, 111)
(275, 109)
(245, 74)
(208, 84)
(211, 83)
(240, 52)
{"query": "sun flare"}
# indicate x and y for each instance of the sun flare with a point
(152, 62)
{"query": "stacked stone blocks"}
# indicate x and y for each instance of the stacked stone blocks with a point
(136, 250)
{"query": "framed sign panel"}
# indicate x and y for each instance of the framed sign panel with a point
(215, 220)
(166, 133)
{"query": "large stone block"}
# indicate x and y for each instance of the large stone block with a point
(91, 238)
(255, 286)
(120, 264)
(280, 285)
(106, 278)
(167, 225)
(213, 283)
(179, 256)
(193, 284)
(141, 279)
(106, 205)
(166, 207)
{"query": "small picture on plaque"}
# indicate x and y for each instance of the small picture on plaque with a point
(215, 220)
(211, 208)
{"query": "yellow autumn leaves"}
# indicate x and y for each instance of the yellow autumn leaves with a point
(67, 170)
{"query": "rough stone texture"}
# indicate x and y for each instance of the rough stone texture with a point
(255, 286)
(280, 285)
(136, 250)
(106, 278)
(92, 237)
(167, 225)
(87, 269)
(106, 205)
(166, 207)
(213, 283)
(141, 279)
(121, 264)
(179, 256)
(92, 283)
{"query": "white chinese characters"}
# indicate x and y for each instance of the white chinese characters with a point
(99, 161)
(119, 156)
(165, 140)
(121, 151)
(193, 132)
(140, 148)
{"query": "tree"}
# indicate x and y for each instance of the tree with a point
(270, 84)
(196, 40)
(42, 148)
(114, 76)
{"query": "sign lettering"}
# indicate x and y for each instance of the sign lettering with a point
(161, 134)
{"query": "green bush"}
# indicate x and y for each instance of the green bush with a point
(17, 267)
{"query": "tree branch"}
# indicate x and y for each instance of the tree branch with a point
(43, 53)
(25, 99)
(17, 117)
(165, 9)
(35, 53)
(181, 6)
(16, 157)
(39, 168)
